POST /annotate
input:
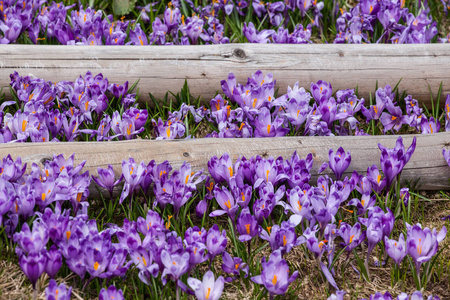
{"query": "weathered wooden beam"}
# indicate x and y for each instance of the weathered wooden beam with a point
(426, 165)
(165, 68)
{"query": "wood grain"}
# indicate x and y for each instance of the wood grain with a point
(426, 165)
(165, 68)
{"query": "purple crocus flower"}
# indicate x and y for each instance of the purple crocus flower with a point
(7, 196)
(394, 119)
(396, 249)
(253, 36)
(447, 113)
(374, 176)
(266, 127)
(429, 125)
(216, 241)
(338, 296)
(275, 274)
(31, 241)
(446, 155)
(247, 226)
(144, 261)
(392, 161)
(54, 261)
(422, 244)
(339, 162)
(417, 295)
(57, 292)
(111, 293)
(321, 90)
(208, 288)
(175, 265)
(299, 204)
(233, 265)
(133, 175)
(352, 236)
(404, 195)
(380, 296)
(226, 201)
(106, 179)
(33, 265)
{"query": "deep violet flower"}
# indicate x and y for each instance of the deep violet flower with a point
(57, 292)
(208, 288)
(393, 160)
(33, 265)
(110, 293)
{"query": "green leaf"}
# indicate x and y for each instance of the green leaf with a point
(123, 7)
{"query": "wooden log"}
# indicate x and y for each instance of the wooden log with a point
(427, 165)
(165, 68)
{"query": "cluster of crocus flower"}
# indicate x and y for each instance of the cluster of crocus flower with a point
(398, 24)
(36, 20)
(253, 110)
(65, 110)
(246, 191)
(46, 111)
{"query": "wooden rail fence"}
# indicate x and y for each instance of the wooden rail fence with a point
(426, 165)
(165, 68)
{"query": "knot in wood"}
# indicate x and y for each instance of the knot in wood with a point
(185, 154)
(238, 52)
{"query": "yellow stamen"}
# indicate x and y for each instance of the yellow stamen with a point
(268, 129)
(231, 171)
(228, 204)
(351, 239)
(96, 266)
(247, 228)
(68, 233)
(43, 196)
(168, 222)
(79, 197)
(274, 280)
(267, 175)
(207, 293)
